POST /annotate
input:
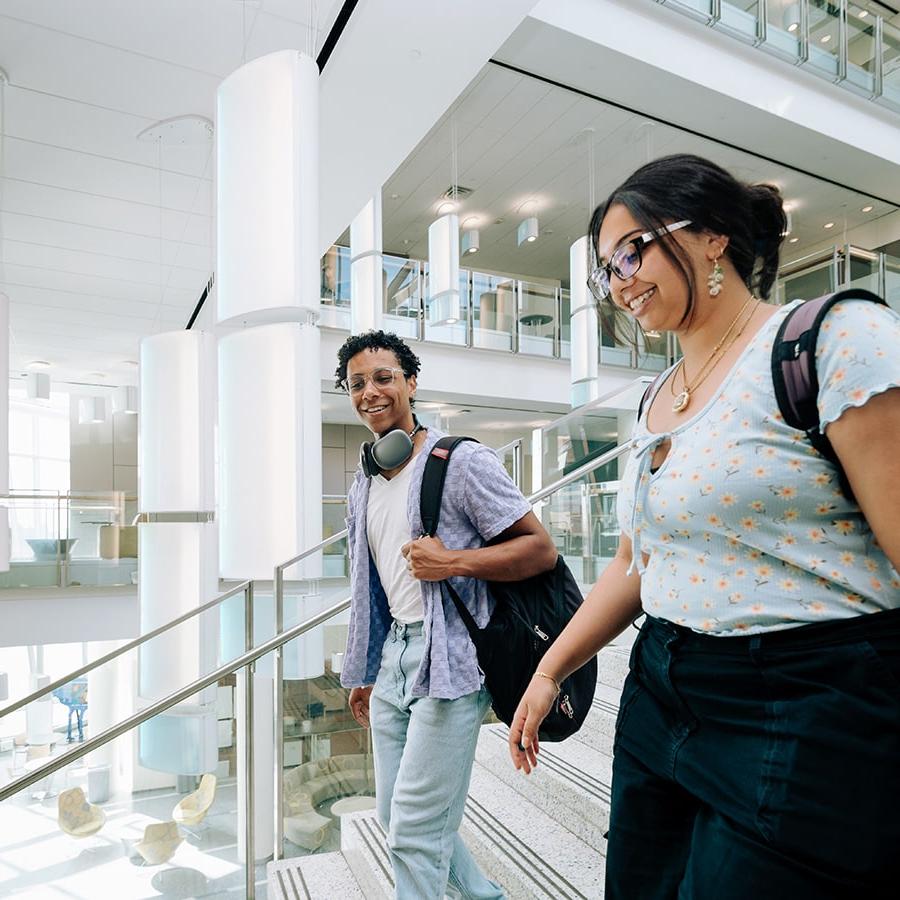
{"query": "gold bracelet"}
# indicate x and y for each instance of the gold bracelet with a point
(551, 678)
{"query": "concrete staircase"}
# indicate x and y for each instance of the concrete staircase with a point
(540, 836)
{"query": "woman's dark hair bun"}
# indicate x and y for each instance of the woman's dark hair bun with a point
(769, 228)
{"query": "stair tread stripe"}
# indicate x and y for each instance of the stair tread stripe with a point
(513, 839)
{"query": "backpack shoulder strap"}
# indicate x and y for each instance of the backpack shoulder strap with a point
(794, 373)
(433, 481)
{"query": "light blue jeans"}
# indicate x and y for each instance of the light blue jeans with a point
(424, 750)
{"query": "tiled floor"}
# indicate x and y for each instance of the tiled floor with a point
(39, 861)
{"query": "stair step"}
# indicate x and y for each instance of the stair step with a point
(316, 877)
(571, 782)
(524, 848)
(364, 846)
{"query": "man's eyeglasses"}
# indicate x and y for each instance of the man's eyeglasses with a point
(626, 260)
(381, 378)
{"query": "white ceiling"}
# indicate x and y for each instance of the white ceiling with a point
(107, 239)
(520, 139)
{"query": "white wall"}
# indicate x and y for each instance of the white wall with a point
(103, 456)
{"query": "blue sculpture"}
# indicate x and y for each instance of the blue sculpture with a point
(74, 695)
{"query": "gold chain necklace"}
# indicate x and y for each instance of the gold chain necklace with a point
(683, 399)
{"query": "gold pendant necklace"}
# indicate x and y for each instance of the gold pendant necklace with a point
(683, 399)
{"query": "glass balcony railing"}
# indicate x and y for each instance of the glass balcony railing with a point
(849, 43)
(840, 267)
(494, 312)
(67, 539)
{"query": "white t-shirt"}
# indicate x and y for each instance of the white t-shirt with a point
(387, 527)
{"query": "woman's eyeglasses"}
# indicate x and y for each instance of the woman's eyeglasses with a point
(626, 260)
(383, 377)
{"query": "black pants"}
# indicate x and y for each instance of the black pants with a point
(759, 767)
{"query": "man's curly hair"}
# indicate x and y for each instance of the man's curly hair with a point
(375, 340)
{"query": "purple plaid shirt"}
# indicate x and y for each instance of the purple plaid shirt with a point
(480, 501)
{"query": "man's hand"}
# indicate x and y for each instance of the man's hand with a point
(428, 559)
(359, 704)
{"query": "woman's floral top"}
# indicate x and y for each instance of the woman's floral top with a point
(745, 525)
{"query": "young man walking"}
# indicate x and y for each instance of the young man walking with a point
(410, 662)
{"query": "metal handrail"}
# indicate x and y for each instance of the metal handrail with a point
(77, 673)
(173, 699)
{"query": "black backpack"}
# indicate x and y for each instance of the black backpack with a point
(529, 615)
(794, 373)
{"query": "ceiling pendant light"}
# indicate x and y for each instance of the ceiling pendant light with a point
(792, 18)
(528, 231)
(92, 410)
(471, 240)
(37, 386)
(125, 400)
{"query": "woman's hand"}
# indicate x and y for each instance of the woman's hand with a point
(359, 704)
(536, 702)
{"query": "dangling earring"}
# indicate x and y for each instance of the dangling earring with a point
(716, 277)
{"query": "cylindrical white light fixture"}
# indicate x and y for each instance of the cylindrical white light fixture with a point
(177, 416)
(471, 241)
(92, 410)
(792, 18)
(267, 174)
(37, 386)
(443, 271)
(528, 231)
(585, 358)
(270, 469)
(366, 268)
(125, 399)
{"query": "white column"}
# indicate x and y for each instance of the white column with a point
(4, 426)
(585, 359)
(178, 546)
(366, 269)
(270, 469)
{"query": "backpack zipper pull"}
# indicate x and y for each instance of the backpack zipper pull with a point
(540, 633)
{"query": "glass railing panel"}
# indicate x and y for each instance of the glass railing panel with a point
(653, 353)
(152, 813)
(890, 63)
(784, 30)
(581, 519)
(493, 311)
(589, 431)
(565, 324)
(824, 46)
(537, 318)
(334, 309)
(698, 9)
(818, 278)
(445, 322)
(617, 349)
(892, 281)
(40, 552)
(862, 49)
(335, 557)
(740, 18)
(328, 769)
(402, 295)
(87, 704)
(864, 271)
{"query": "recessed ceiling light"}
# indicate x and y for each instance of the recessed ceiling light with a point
(825, 39)
(868, 208)
(793, 240)
(793, 26)
(395, 196)
(863, 13)
(37, 364)
(829, 225)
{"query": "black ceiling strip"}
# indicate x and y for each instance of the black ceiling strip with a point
(700, 134)
(340, 23)
(200, 302)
